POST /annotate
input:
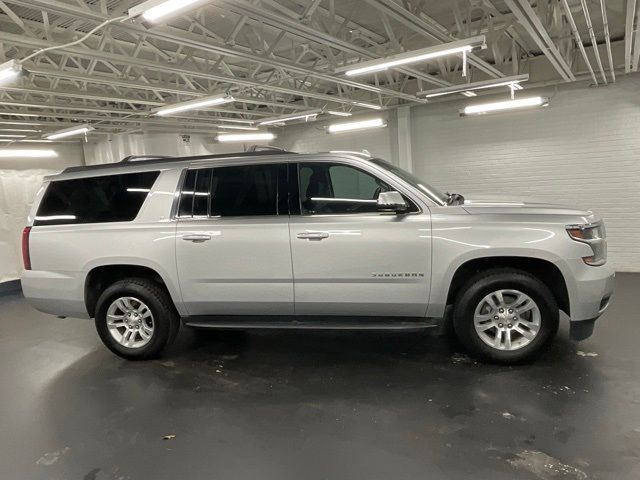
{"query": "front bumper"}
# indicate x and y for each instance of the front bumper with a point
(589, 297)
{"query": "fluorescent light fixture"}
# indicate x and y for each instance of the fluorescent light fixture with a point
(9, 71)
(233, 120)
(237, 127)
(451, 48)
(468, 88)
(364, 124)
(18, 130)
(7, 135)
(24, 153)
(139, 190)
(245, 137)
(310, 115)
(68, 132)
(19, 123)
(156, 10)
(202, 102)
(339, 114)
(16, 114)
(506, 105)
(372, 106)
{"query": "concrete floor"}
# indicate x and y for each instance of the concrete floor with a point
(287, 405)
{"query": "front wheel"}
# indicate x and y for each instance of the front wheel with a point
(505, 316)
(136, 319)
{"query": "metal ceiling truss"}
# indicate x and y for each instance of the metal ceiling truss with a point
(277, 57)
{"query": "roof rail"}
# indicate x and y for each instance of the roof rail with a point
(153, 159)
(142, 158)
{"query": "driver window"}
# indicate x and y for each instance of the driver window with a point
(329, 188)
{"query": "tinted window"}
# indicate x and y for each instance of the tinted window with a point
(201, 193)
(333, 188)
(231, 191)
(186, 195)
(111, 198)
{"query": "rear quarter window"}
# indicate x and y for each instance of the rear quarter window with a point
(110, 198)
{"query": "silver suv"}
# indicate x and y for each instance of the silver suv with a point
(274, 239)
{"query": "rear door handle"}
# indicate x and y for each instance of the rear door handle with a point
(196, 238)
(313, 235)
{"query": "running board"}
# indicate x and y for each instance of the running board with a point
(310, 322)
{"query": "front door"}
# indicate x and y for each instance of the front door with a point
(232, 244)
(351, 259)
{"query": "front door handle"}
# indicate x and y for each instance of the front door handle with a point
(196, 238)
(313, 235)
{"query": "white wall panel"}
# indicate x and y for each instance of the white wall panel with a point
(20, 179)
(582, 150)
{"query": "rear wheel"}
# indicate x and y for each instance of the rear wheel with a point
(505, 316)
(136, 319)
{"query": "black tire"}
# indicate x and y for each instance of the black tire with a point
(166, 321)
(482, 284)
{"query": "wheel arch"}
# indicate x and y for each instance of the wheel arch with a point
(99, 277)
(543, 269)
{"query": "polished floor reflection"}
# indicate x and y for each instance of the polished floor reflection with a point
(305, 405)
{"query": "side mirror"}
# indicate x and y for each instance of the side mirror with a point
(392, 202)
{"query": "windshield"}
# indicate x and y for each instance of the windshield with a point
(410, 178)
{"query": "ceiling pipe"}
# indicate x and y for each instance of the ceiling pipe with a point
(592, 35)
(530, 22)
(628, 34)
(576, 35)
(607, 37)
(635, 61)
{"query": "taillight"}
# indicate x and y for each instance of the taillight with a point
(26, 257)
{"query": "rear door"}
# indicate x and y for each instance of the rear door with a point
(232, 244)
(351, 259)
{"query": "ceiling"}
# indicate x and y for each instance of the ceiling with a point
(280, 57)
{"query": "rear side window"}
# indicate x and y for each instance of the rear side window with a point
(246, 190)
(110, 198)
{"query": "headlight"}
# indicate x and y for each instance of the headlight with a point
(594, 235)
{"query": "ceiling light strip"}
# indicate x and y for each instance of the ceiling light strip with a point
(519, 103)
(27, 153)
(451, 48)
(68, 132)
(157, 10)
(245, 137)
(361, 125)
(310, 115)
(469, 87)
(198, 103)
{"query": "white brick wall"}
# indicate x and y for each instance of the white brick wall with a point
(582, 150)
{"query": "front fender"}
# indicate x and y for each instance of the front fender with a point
(455, 243)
